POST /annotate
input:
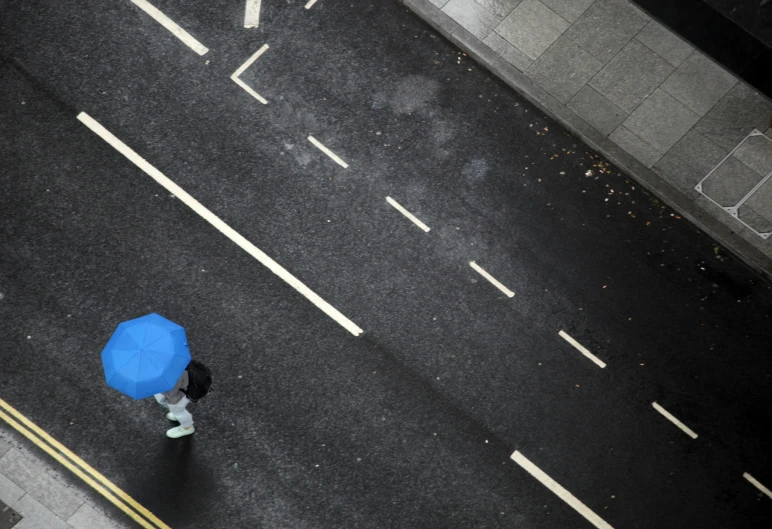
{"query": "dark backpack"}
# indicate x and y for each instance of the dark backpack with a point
(199, 380)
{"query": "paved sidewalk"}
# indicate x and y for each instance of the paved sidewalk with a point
(634, 91)
(41, 495)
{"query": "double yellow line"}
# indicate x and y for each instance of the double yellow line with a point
(104, 486)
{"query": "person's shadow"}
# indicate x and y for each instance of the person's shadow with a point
(184, 486)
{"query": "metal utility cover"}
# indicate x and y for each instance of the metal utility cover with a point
(8, 517)
(738, 184)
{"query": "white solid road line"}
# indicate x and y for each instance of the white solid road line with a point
(215, 221)
(328, 152)
(251, 92)
(169, 24)
(758, 485)
(562, 493)
(249, 62)
(252, 14)
(582, 349)
(688, 431)
(407, 214)
(235, 75)
(310, 3)
(492, 279)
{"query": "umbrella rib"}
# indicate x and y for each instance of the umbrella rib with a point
(154, 341)
(144, 336)
(133, 382)
(133, 354)
(164, 373)
(150, 361)
(144, 362)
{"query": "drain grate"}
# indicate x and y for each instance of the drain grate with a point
(8, 517)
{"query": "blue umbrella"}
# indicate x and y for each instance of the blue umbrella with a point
(145, 356)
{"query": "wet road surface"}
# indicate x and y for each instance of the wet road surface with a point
(411, 424)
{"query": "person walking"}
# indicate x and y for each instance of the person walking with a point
(131, 361)
(176, 401)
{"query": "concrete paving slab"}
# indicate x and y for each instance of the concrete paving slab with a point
(740, 111)
(642, 151)
(472, 16)
(4, 447)
(33, 478)
(631, 76)
(731, 181)
(665, 43)
(699, 83)
(434, 16)
(719, 214)
(439, 3)
(570, 10)
(532, 27)
(687, 163)
(89, 518)
(756, 153)
(508, 52)
(606, 27)
(758, 222)
(36, 515)
(597, 110)
(761, 201)
(500, 8)
(661, 121)
(564, 69)
(10, 492)
(640, 13)
(763, 245)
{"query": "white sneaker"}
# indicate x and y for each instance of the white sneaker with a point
(171, 417)
(179, 431)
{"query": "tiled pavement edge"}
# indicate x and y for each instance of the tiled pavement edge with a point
(632, 90)
(41, 493)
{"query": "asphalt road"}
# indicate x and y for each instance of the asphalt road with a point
(411, 424)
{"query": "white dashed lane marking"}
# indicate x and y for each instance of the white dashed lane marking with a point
(310, 3)
(562, 493)
(582, 349)
(688, 431)
(492, 279)
(758, 485)
(242, 69)
(252, 14)
(215, 221)
(328, 152)
(407, 214)
(169, 24)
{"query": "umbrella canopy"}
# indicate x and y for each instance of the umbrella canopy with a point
(145, 356)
